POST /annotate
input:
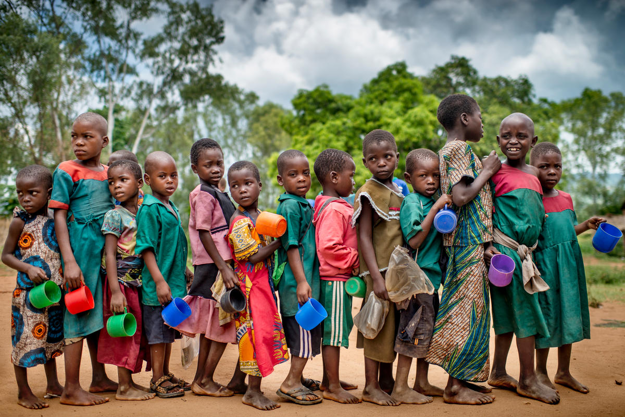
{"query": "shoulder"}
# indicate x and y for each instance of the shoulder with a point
(455, 147)
(112, 215)
(79, 172)
(567, 197)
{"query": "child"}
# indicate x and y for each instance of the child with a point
(80, 199)
(337, 250)
(31, 249)
(163, 245)
(122, 268)
(559, 258)
(461, 331)
(416, 217)
(300, 279)
(376, 214)
(518, 219)
(208, 227)
(121, 155)
(260, 335)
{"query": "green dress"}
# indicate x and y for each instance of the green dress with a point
(519, 214)
(559, 259)
(85, 195)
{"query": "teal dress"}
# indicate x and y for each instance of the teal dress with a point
(85, 195)
(559, 259)
(519, 214)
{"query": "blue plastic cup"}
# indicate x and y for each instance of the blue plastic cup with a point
(606, 238)
(176, 312)
(445, 220)
(310, 314)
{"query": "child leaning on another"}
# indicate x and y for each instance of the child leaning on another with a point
(376, 214)
(122, 268)
(337, 250)
(416, 218)
(559, 259)
(32, 250)
(260, 334)
(163, 245)
(80, 199)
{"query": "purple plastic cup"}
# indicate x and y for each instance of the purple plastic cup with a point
(501, 270)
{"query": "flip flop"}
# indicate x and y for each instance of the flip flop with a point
(311, 384)
(50, 396)
(301, 392)
(165, 392)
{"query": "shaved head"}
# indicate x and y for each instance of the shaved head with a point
(518, 117)
(98, 122)
(155, 160)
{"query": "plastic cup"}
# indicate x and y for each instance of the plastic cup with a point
(356, 287)
(445, 220)
(270, 224)
(79, 300)
(176, 312)
(310, 314)
(501, 270)
(122, 325)
(606, 238)
(45, 294)
(233, 301)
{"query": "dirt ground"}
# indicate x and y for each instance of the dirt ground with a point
(597, 363)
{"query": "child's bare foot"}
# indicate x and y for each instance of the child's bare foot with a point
(133, 394)
(379, 397)
(428, 389)
(210, 389)
(238, 388)
(103, 385)
(478, 388)
(347, 386)
(257, 400)
(387, 385)
(340, 396)
(503, 381)
(141, 388)
(544, 379)
(405, 395)
(31, 401)
(568, 381)
(531, 388)
(461, 394)
(81, 397)
(54, 391)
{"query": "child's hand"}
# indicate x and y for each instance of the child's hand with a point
(304, 292)
(489, 252)
(379, 288)
(229, 277)
(36, 275)
(492, 163)
(163, 292)
(594, 222)
(118, 302)
(443, 200)
(72, 276)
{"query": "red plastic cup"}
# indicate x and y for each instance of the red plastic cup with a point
(79, 300)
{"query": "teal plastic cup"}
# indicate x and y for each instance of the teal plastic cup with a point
(44, 295)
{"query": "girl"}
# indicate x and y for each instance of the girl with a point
(31, 249)
(559, 258)
(259, 329)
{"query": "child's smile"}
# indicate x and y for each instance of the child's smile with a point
(516, 136)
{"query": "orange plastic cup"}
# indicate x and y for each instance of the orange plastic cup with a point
(270, 224)
(79, 300)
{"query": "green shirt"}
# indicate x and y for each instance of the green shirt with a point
(298, 214)
(414, 210)
(160, 230)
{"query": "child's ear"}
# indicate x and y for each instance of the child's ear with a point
(260, 186)
(140, 183)
(464, 119)
(105, 141)
(146, 178)
(280, 182)
(534, 140)
(334, 177)
(364, 161)
(498, 139)
(194, 168)
(50, 193)
(407, 177)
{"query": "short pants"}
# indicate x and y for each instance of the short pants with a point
(154, 327)
(416, 326)
(338, 325)
(301, 343)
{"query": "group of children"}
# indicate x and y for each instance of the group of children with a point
(130, 250)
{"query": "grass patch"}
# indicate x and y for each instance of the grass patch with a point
(600, 293)
(603, 274)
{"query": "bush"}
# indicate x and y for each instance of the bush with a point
(601, 274)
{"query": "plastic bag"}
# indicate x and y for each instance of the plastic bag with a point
(371, 317)
(190, 348)
(404, 278)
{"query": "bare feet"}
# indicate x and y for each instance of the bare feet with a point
(379, 397)
(568, 381)
(54, 390)
(428, 389)
(141, 388)
(478, 388)
(544, 379)
(504, 381)
(257, 400)
(347, 386)
(81, 397)
(531, 388)
(460, 394)
(133, 394)
(340, 395)
(238, 388)
(103, 385)
(210, 389)
(31, 401)
(405, 395)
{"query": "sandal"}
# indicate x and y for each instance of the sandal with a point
(311, 384)
(298, 395)
(181, 382)
(165, 392)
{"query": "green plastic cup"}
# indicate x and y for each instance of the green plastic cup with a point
(356, 287)
(122, 325)
(44, 295)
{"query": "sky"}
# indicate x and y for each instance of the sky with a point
(276, 47)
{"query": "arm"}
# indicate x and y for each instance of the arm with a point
(365, 241)
(118, 301)
(331, 246)
(592, 223)
(304, 292)
(163, 292)
(72, 275)
(463, 191)
(416, 241)
(36, 275)
(265, 252)
(230, 279)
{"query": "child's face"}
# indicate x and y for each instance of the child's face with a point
(474, 126)
(295, 178)
(87, 140)
(210, 166)
(244, 187)
(122, 184)
(425, 178)
(31, 195)
(163, 177)
(381, 160)
(343, 182)
(549, 169)
(516, 137)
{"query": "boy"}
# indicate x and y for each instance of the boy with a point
(163, 245)
(80, 199)
(300, 279)
(416, 217)
(376, 214)
(337, 250)
(465, 290)
(121, 155)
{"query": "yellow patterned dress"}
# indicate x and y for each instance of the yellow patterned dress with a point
(260, 335)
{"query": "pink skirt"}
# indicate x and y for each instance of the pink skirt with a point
(205, 320)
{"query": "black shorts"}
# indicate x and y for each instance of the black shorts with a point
(204, 277)
(301, 343)
(416, 325)
(154, 327)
